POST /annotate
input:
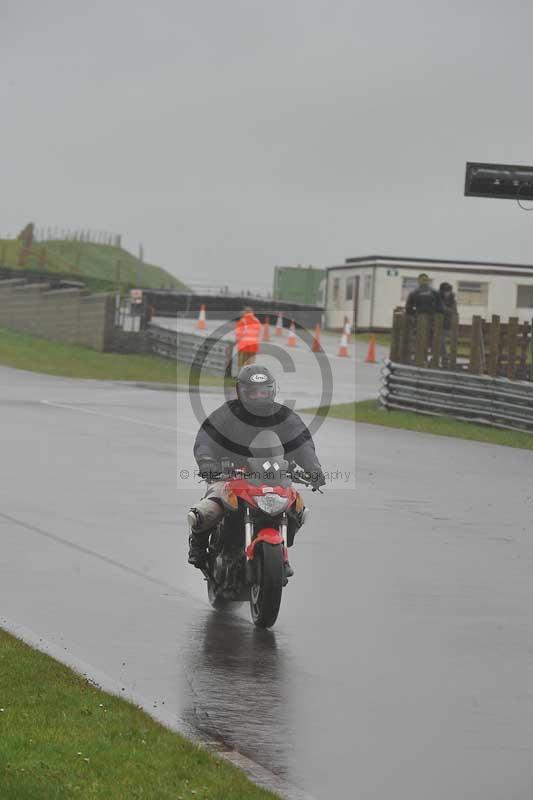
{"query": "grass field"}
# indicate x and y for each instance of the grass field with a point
(62, 738)
(370, 412)
(22, 351)
(105, 261)
(105, 265)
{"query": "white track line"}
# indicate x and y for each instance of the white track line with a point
(130, 420)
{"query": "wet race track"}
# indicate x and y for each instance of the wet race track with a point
(401, 662)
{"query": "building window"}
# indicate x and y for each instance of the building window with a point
(349, 288)
(367, 287)
(409, 285)
(524, 297)
(335, 293)
(472, 293)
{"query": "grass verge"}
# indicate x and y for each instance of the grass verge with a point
(381, 338)
(22, 351)
(62, 738)
(370, 412)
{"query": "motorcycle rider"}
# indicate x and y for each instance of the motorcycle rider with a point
(228, 432)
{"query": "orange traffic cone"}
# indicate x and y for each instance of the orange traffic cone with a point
(371, 355)
(316, 347)
(291, 341)
(279, 325)
(343, 347)
(201, 319)
(266, 330)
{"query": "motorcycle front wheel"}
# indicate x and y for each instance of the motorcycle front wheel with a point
(265, 592)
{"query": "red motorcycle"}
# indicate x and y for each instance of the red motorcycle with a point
(247, 554)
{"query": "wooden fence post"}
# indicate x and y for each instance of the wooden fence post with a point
(523, 366)
(531, 353)
(422, 339)
(406, 336)
(454, 342)
(494, 345)
(475, 346)
(436, 345)
(398, 322)
(512, 342)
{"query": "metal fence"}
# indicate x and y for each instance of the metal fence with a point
(51, 234)
(203, 352)
(483, 399)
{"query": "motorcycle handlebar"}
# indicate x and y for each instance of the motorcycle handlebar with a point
(292, 472)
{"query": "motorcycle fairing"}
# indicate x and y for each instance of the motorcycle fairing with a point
(248, 492)
(269, 535)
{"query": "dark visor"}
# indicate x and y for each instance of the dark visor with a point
(259, 393)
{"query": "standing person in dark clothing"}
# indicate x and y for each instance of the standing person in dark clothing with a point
(448, 304)
(424, 299)
(449, 309)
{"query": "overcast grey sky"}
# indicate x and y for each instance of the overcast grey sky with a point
(232, 136)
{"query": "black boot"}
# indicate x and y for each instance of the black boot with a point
(288, 570)
(197, 541)
(198, 549)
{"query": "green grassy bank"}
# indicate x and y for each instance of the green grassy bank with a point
(102, 266)
(62, 738)
(370, 412)
(22, 351)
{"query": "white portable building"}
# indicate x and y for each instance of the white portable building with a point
(366, 290)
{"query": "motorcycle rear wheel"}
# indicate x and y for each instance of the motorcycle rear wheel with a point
(265, 593)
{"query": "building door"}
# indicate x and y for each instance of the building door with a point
(355, 300)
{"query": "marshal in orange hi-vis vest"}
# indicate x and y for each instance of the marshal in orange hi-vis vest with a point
(247, 333)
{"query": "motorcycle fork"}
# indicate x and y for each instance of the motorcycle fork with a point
(283, 531)
(248, 533)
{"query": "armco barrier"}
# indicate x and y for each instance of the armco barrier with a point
(499, 402)
(209, 353)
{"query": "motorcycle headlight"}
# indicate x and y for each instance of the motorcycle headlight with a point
(272, 503)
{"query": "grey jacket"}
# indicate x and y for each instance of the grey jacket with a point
(228, 431)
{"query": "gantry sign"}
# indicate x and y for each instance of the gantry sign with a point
(504, 181)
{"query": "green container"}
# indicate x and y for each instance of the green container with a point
(298, 284)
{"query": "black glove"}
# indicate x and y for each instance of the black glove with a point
(316, 478)
(209, 469)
